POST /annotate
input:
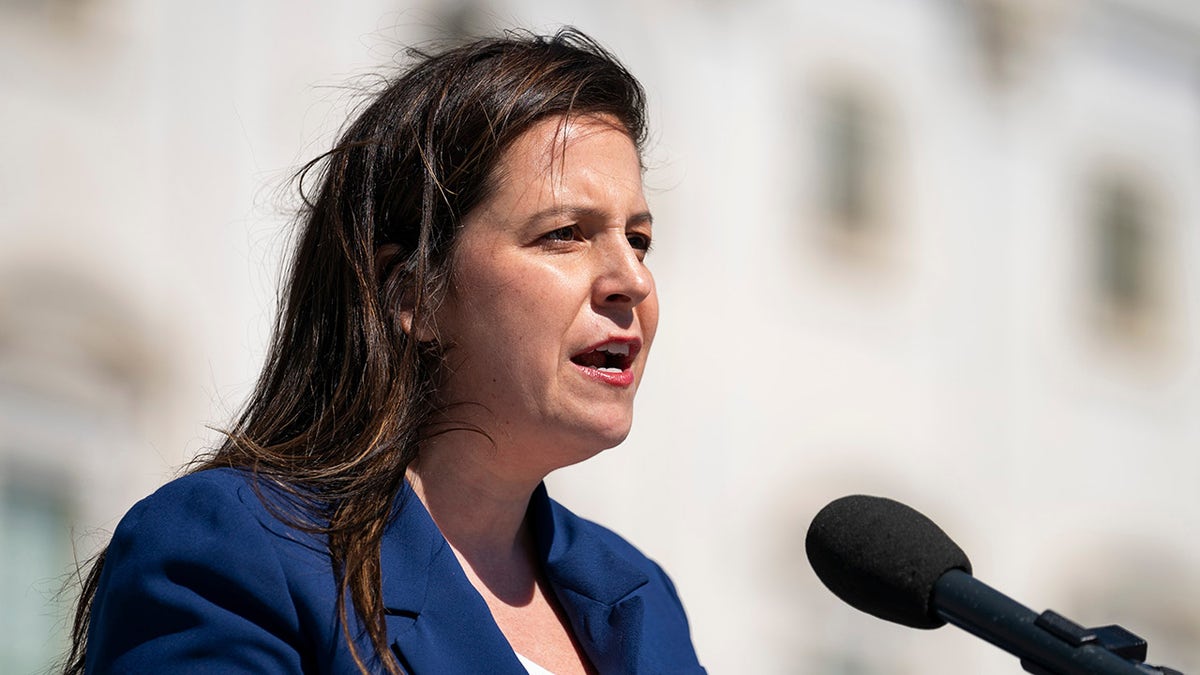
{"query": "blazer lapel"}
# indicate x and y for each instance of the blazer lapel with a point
(436, 620)
(596, 586)
(439, 624)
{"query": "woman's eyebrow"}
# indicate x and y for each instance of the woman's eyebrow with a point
(571, 212)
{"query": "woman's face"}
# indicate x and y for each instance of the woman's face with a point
(552, 310)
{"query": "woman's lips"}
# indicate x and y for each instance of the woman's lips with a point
(610, 361)
(617, 378)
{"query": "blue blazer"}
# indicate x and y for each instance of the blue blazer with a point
(202, 577)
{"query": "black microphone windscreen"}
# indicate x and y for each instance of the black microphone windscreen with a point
(882, 558)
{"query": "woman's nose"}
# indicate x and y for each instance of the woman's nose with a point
(623, 279)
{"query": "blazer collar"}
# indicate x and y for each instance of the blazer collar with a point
(438, 623)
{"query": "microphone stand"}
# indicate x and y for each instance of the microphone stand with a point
(1047, 643)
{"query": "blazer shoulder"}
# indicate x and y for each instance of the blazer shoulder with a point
(198, 572)
(221, 502)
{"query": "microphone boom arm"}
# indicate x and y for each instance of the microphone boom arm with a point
(1047, 644)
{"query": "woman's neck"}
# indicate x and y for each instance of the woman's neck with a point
(478, 494)
(480, 509)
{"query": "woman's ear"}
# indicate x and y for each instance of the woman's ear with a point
(406, 312)
(421, 333)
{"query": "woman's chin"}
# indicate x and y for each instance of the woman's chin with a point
(594, 442)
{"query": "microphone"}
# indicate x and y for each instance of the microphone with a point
(886, 559)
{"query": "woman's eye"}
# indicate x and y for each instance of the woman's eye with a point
(639, 242)
(568, 233)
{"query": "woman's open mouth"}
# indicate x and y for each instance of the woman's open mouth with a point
(610, 362)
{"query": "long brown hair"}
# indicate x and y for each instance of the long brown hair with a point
(346, 395)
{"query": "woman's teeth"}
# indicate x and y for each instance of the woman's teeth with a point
(617, 349)
(609, 358)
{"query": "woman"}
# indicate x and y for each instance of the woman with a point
(468, 309)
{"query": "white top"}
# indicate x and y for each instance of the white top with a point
(533, 668)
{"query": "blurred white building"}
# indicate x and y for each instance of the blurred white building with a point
(939, 250)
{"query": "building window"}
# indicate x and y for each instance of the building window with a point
(852, 175)
(1001, 30)
(35, 557)
(76, 376)
(1126, 261)
(1122, 266)
(848, 158)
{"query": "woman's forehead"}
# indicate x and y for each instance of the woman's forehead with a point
(547, 143)
(586, 166)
